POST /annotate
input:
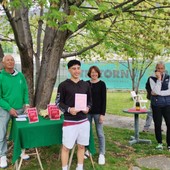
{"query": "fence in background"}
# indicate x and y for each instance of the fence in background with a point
(115, 75)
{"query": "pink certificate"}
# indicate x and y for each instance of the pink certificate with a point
(81, 102)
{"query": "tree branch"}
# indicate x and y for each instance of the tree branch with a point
(11, 20)
(81, 51)
(91, 46)
(6, 39)
(99, 16)
(149, 9)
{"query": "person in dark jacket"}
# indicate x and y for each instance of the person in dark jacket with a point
(76, 127)
(97, 112)
(160, 102)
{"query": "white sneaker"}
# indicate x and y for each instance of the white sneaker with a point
(101, 160)
(86, 154)
(79, 168)
(3, 162)
(24, 156)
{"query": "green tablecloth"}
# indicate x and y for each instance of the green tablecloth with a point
(43, 133)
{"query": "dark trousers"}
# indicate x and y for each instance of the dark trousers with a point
(158, 114)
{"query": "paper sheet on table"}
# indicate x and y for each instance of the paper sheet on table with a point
(21, 119)
(22, 116)
(80, 101)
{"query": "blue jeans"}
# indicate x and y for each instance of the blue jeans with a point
(99, 131)
(4, 120)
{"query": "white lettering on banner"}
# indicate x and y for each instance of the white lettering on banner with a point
(109, 73)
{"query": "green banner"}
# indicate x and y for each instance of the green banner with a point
(117, 76)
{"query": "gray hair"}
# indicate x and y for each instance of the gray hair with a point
(3, 59)
(160, 63)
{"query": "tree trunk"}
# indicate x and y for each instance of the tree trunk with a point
(27, 69)
(44, 97)
(1, 56)
(38, 52)
(47, 47)
(23, 38)
(1, 53)
(19, 22)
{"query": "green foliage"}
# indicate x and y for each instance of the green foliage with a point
(136, 31)
(72, 26)
(18, 4)
(7, 47)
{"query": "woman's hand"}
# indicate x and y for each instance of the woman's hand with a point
(101, 119)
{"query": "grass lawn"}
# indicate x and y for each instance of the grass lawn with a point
(117, 101)
(119, 154)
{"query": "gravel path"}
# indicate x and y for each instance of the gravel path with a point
(127, 122)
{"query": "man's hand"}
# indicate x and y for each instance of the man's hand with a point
(13, 112)
(154, 94)
(25, 108)
(158, 75)
(86, 111)
(73, 111)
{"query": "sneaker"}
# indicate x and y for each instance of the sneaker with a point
(86, 154)
(78, 168)
(145, 130)
(101, 160)
(159, 146)
(3, 162)
(24, 156)
(169, 148)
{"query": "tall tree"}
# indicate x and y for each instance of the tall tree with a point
(1, 53)
(93, 22)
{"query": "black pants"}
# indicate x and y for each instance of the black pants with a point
(158, 114)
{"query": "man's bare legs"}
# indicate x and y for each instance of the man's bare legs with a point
(80, 157)
(64, 157)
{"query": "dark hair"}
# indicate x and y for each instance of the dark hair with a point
(96, 69)
(72, 63)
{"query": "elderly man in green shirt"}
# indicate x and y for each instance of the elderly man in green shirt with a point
(13, 101)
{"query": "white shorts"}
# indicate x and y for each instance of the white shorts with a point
(78, 133)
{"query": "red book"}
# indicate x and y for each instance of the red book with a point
(53, 112)
(32, 115)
